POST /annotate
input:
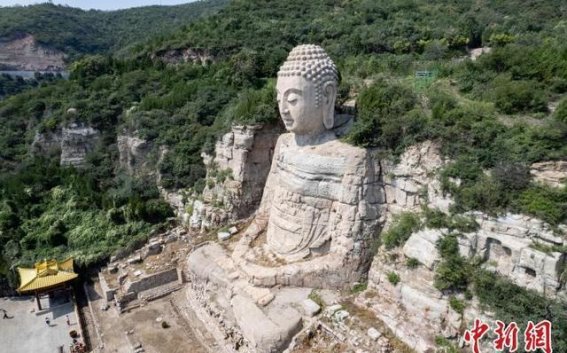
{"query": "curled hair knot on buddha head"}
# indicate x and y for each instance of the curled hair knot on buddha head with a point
(312, 63)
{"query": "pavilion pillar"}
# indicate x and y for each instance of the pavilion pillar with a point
(38, 301)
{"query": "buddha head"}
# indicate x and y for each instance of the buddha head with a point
(307, 90)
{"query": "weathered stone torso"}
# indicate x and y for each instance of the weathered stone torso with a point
(312, 195)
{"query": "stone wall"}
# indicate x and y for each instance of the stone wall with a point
(106, 290)
(152, 281)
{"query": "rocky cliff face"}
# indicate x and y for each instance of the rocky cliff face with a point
(76, 142)
(189, 55)
(25, 54)
(134, 155)
(412, 183)
(236, 175)
(550, 173)
(71, 143)
(515, 246)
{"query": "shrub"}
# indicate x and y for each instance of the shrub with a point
(316, 297)
(519, 96)
(393, 278)
(454, 271)
(400, 230)
(457, 304)
(544, 202)
(446, 345)
(435, 218)
(511, 302)
(359, 287)
(384, 117)
(255, 106)
(560, 113)
(412, 263)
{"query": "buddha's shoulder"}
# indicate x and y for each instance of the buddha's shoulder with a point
(338, 148)
(331, 148)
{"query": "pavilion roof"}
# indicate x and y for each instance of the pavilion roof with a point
(46, 274)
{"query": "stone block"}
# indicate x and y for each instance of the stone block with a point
(222, 236)
(310, 308)
(374, 334)
(422, 247)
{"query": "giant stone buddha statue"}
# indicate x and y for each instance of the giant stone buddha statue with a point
(319, 210)
(314, 228)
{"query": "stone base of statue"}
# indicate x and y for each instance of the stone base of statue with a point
(246, 318)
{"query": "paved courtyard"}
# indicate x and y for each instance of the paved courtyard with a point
(26, 331)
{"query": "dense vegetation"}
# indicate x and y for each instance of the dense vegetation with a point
(10, 85)
(75, 31)
(493, 117)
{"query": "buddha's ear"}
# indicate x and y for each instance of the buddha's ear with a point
(329, 98)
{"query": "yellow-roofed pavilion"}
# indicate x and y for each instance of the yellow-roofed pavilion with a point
(45, 277)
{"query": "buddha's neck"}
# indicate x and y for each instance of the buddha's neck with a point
(314, 139)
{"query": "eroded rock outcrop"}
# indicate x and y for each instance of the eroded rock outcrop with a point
(76, 142)
(550, 173)
(189, 55)
(412, 182)
(71, 143)
(134, 154)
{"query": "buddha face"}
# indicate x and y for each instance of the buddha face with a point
(298, 107)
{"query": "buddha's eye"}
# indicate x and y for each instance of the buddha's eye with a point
(292, 98)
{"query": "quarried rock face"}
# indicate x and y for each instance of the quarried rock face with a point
(47, 143)
(520, 248)
(25, 54)
(412, 308)
(189, 55)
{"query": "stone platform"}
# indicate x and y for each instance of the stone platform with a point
(248, 318)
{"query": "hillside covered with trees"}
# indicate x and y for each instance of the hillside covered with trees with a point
(75, 31)
(493, 116)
